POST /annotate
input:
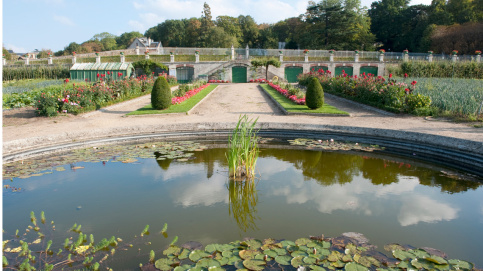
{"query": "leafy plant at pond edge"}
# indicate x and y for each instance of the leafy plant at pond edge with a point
(243, 149)
(32, 250)
(349, 251)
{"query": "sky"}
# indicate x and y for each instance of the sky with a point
(53, 24)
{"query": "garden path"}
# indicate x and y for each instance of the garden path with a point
(224, 105)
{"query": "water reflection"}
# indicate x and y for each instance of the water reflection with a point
(419, 208)
(243, 199)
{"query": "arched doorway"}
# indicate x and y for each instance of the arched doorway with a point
(369, 70)
(185, 74)
(347, 69)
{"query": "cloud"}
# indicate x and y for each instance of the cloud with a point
(16, 49)
(63, 20)
(417, 209)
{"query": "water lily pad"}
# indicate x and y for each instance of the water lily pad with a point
(302, 241)
(436, 259)
(299, 253)
(316, 268)
(283, 260)
(402, 255)
(355, 267)
(347, 258)
(227, 253)
(253, 264)
(297, 261)
(271, 253)
(310, 260)
(197, 254)
(253, 243)
(462, 265)
(183, 267)
(338, 264)
(286, 243)
(172, 250)
(280, 251)
(233, 260)
(334, 256)
(184, 254)
(208, 263)
(165, 264)
(248, 254)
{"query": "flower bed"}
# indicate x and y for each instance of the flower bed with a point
(373, 90)
(286, 93)
(190, 93)
(219, 81)
(84, 98)
(259, 80)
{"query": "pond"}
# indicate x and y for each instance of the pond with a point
(299, 192)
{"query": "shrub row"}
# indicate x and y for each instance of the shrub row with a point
(389, 95)
(441, 69)
(287, 93)
(35, 72)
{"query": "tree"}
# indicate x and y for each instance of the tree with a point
(72, 47)
(218, 38)
(386, 21)
(6, 53)
(314, 97)
(230, 25)
(44, 53)
(161, 94)
(127, 38)
(171, 33)
(265, 62)
(249, 31)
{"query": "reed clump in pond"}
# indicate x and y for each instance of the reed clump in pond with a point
(243, 149)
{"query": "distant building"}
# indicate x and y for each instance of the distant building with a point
(146, 44)
(34, 54)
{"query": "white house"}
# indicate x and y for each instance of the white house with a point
(145, 43)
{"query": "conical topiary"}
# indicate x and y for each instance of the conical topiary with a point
(161, 94)
(315, 94)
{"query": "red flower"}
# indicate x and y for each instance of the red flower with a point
(66, 80)
(405, 75)
(97, 75)
(407, 89)
(108, 73)
(153, 72)
(390, 75)
(414, 83)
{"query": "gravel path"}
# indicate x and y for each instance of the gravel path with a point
(224, 105)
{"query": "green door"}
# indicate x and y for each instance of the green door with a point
(291, 74)
(239, 74)
(319, 69)
(185, 74)
(369, 70)
(346, 69)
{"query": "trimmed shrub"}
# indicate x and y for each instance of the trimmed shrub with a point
(315, 94)
(161, 94)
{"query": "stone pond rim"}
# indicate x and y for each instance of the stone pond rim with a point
(456, 153)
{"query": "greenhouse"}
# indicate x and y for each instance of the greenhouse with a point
(92, 71)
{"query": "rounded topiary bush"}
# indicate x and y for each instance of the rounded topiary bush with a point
(161, 94)
(315, 94)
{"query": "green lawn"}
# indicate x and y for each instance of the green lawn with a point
(183, 107)
(292, 107)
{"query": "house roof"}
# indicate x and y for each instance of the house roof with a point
(102, 66)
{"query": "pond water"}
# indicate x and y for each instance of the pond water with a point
(299, 193)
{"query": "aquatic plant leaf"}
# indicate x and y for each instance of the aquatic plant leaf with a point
(233, 260)
(436, 259)
(183, 267)
(355, 267)
(297, 261)
(248, 254)
(347, 258)
(280, 251)
(292, 248)
(422, 264)
(172, 250)
(402, 255)
(271, 253)
(462, 265)
(223, 261)
(302, 241)
(299, 253)
(81, 249)
(334, 256)
(393, 247)
(184, 254)
(253, 243)
(286, 243)
(215, 268)
(310, 260)
(283, 260)
(208, 263)
(197, 254)
(338, 264)
(165, 264)
(227, 253)
(316, 268)
(253, 264)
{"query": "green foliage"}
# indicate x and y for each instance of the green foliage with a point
(314, 97)
(148, 65)
(36, 72)
(266, 62)
(441, 69)
(243, 149)
(161, 94)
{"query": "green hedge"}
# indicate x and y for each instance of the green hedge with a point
(36, 72)
(441, 69)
